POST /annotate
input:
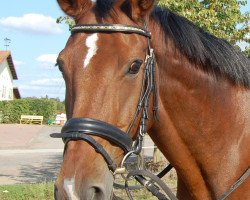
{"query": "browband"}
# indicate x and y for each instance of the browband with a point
(110, 28)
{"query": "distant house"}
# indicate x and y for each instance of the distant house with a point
(7, 75)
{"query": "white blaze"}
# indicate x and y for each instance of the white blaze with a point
(91, 44)
(69, 187)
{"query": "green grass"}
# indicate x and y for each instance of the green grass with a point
(42, 191)
(45, 191)
(142, 194)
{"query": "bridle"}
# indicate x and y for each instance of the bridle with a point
(109, 28)
(85, 128)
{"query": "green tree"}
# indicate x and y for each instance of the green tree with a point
(60, 105)
(67, 20)
(247, 51)
(12, 110)
(44, 107)
(221, 18)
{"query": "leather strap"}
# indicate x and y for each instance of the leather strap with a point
(139, 176)
(136, 187)
(241, 180)
(97, 128)
(98, 147)
(165, 171)
(110, 28)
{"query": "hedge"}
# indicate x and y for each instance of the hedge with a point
(11, 111)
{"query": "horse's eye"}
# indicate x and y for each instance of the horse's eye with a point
(135, 67)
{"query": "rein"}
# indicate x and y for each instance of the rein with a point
(85, 128)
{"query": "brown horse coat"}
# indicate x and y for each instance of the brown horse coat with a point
(204, 99)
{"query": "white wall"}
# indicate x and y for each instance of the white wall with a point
(6, 82)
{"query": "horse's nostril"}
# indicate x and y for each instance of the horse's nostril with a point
(95, 193)
(97, 190)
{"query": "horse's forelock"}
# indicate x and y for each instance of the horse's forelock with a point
(104, 6)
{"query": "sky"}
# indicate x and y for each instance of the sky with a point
(36, 40)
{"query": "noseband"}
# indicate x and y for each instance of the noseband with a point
(85, 128)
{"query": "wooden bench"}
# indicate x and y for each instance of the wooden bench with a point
(31, 119)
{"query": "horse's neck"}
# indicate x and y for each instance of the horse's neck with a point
(202, 120)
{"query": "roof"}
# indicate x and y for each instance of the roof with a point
(16, 93)
(7, 55)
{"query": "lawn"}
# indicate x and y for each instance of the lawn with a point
(45, 191)
(42, 191)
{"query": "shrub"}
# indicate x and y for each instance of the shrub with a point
(12, 110)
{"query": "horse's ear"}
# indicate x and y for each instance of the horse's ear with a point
(74, 7)
(141, 8)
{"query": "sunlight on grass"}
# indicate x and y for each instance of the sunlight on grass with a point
(42, 191)
(45, 191)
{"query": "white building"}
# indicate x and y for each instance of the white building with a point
(7, 75)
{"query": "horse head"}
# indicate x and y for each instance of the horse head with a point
(110, 73)
(104, 75)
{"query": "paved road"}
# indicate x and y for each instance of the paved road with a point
(29, 155)
(21, 136)
(29, 167)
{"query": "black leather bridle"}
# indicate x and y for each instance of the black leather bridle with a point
(109, 28)
(85, 128)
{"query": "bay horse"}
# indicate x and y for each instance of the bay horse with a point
(201, 92)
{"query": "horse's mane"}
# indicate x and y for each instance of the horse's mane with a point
(215, 56)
